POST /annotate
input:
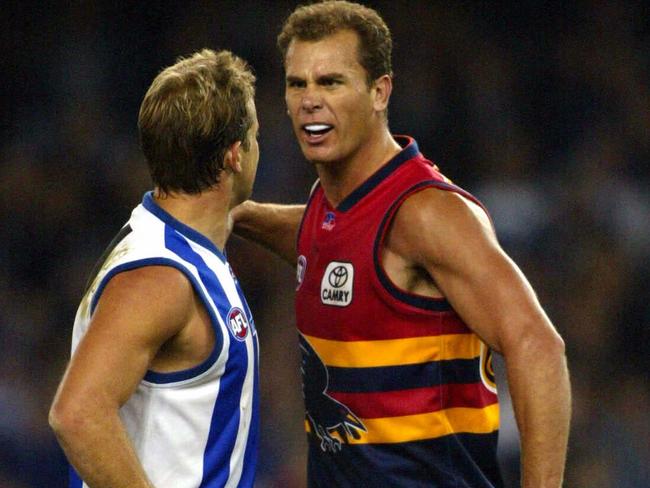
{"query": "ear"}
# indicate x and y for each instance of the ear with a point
(232, 158)
(382, 88)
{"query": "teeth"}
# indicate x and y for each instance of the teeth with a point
(317, 127)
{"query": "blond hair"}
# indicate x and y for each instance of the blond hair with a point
(192, 112)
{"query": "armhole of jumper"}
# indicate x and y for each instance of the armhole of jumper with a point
(154, 377)
(415, 300)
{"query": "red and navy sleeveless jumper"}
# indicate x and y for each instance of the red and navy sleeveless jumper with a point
(398, 391)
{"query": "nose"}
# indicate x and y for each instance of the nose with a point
(311, 100)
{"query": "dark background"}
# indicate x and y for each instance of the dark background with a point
(541, 109)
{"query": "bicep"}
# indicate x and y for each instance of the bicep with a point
(490, 293)
(460, 252)
(138, 311)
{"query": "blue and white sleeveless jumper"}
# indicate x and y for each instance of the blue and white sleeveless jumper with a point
(197, 427)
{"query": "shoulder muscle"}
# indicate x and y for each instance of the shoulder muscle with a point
(435, 225)
(137, 312)
(152, 300)
(452, 239)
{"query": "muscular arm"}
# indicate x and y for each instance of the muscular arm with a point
(273, 226)
(453, 241)
(138, 311)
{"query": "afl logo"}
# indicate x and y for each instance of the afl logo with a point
(238, 323)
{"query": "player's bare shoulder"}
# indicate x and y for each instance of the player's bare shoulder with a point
(158, 295)
(156, 283)
(434, 222)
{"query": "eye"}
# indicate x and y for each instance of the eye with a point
(295, 83)
(330, 81)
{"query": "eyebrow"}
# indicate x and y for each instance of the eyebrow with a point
(323, 77)
(331, 76)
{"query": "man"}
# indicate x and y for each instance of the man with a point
(402, 290)
(162, 387)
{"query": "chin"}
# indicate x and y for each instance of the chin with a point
(318, 156)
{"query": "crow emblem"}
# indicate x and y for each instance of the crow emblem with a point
(325, 414)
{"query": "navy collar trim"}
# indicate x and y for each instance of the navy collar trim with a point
(409, 151)
(150, 204)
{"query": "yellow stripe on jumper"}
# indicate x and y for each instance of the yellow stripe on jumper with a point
(408, 428)
(394, 352)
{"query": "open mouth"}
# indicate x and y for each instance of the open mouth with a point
(317, 130)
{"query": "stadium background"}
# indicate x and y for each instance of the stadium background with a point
(542, 109)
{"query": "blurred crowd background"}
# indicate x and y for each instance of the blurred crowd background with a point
(541, 109)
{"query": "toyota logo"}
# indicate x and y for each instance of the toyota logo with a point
(338, 277)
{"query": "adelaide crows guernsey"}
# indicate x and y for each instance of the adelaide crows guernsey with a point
(197, 427)
(398, 390)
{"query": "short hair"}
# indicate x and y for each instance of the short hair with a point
(192, 112)
(317, 21)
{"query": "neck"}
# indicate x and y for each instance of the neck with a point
(342, 178)
(206, 212)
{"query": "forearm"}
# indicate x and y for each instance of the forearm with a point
(273, 226)
(100, 450)
(539, 385)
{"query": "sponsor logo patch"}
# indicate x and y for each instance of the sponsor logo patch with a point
(337, 284)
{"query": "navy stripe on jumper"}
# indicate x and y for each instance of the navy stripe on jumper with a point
(451, 461)
(419, 301)
(150, 204)
(408, 152)
(75, 480)
(403, 377)
(152, 376)
(250, 454)
(226, 414)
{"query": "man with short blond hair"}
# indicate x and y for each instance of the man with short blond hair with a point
(162, 388)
